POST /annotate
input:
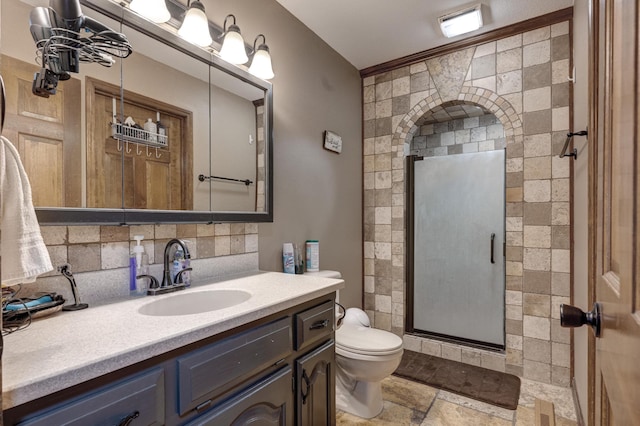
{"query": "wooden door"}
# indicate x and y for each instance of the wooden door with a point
(130, 175)
(614, 183)
(46, 132)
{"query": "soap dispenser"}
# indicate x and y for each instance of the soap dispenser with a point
(141, 266)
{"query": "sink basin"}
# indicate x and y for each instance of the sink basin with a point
(195, 303)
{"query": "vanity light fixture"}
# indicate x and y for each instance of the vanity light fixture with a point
(233, 50)
(461, 21)
(261, 63)
(154, 10)
(195, 26)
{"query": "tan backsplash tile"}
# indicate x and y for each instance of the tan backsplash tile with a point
(114, 234)
(84, 234)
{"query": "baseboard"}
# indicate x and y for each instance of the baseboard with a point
(576, 403)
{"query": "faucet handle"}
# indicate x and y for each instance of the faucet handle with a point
(178, 278)
(153, 281)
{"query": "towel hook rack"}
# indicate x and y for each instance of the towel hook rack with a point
(574, 152)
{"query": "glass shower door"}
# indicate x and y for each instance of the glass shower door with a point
(458, 246)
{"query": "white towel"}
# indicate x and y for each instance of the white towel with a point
(24, 254)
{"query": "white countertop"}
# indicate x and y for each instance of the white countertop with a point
(69, 348)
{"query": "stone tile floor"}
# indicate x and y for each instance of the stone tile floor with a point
(411, 403)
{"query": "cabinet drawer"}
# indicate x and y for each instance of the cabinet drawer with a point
(112, 404)
(215, 369)
(314, 324)
(269, 401)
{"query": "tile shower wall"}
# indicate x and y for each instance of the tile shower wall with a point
(522, 80)
(460, 136)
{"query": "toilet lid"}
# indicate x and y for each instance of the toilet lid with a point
(366, 340)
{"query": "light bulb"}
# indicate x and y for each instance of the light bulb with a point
(195, 27)
(153, 10)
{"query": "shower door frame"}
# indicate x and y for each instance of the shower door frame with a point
(409, 269)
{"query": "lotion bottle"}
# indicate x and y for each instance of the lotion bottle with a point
(152, 128)
(141, 265)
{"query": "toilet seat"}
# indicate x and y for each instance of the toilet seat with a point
(366, 341)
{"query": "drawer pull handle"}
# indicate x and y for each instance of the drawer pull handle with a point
(319, 324)
(127, 420)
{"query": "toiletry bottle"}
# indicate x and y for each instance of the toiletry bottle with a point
(287, 258)
(141, 284)
(313, 255)
(186, 263)
(152, 128)
(178, 259)
(133, 273)
(186, 275)
(162, 131)
(299, 263)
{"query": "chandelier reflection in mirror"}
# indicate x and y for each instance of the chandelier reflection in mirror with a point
(196, 28)
(61, 46)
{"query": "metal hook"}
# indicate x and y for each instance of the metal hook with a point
(148, 155)
(138, 152)
(158, 156)
(128, 149)
(119, 145)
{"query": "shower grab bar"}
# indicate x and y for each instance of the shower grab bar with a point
(493, 238)
(573, 153)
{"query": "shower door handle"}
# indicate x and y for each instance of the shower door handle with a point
(493, 239)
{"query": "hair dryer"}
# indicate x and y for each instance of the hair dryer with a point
(64, 18)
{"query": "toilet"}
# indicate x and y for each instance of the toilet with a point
(364, 357)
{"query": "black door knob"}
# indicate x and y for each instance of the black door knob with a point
(570, 316)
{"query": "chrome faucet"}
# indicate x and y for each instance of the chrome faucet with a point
(166, 274)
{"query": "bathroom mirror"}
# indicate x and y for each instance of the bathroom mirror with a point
(213, 163)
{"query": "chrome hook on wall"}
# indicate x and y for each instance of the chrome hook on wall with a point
(574, 152)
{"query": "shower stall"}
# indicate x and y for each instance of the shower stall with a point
(456, 246)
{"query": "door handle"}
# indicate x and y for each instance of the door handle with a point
(570, 316)
(493, 239)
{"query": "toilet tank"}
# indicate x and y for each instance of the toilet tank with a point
(325, 274)
(328, 274)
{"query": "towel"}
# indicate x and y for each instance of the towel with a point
(24, 254)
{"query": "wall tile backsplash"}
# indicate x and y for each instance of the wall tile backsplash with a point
(522, 81)
(101, 253)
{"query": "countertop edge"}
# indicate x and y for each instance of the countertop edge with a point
(30, 390)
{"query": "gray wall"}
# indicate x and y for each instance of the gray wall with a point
(317, 192)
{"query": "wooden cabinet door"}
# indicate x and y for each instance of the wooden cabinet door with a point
(315, 387)
(135, 176)
(614, 182)
(46, 132)
(267, 403)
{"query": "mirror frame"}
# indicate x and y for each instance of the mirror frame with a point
(94, 216)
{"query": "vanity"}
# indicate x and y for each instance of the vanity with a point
(267, 359)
